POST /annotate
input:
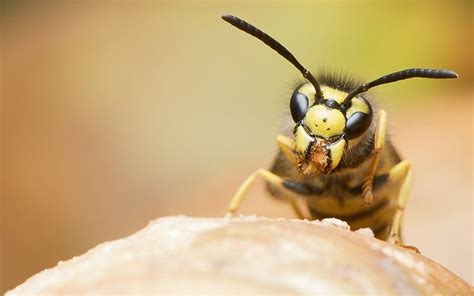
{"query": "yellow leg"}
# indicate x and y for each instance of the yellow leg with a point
(379, 141)
(402, 174)
(243, 189)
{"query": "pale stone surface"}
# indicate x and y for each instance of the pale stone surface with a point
(246, 255)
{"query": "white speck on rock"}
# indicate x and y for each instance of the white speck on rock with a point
(365, 232)
(336, 222)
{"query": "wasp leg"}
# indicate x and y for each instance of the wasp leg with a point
(272, 179)
(287, 146)
(379, 140)
(401, 174)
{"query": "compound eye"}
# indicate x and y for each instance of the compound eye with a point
(298, 106)
(357, 124)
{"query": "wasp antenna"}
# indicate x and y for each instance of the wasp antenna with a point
(275, 45)
(400, 75)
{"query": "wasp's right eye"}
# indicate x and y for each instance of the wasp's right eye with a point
(298, 106)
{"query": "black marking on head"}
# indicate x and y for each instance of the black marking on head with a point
(325, 119)
(332, 104)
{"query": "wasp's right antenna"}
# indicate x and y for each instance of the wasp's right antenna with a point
(275, 45)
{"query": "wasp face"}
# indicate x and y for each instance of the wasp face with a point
(323, 128)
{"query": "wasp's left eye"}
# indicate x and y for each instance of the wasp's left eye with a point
(357, 124)
(298, 106)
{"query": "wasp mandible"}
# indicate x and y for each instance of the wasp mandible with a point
(338, 157)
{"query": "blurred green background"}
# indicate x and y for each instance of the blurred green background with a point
(117, 113)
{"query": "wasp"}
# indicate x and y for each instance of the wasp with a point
(337, 158)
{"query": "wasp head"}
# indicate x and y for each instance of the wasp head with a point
(324, 126)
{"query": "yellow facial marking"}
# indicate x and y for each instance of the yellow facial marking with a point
(333, 94)
(357, 106)
(325, 122)
(308, 90)
(302, 140)
(337, 149)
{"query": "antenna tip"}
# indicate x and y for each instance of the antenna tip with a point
(227, 17)
(450, 74)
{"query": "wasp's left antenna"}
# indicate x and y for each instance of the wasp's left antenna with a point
(400, 75)
(265, 38)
